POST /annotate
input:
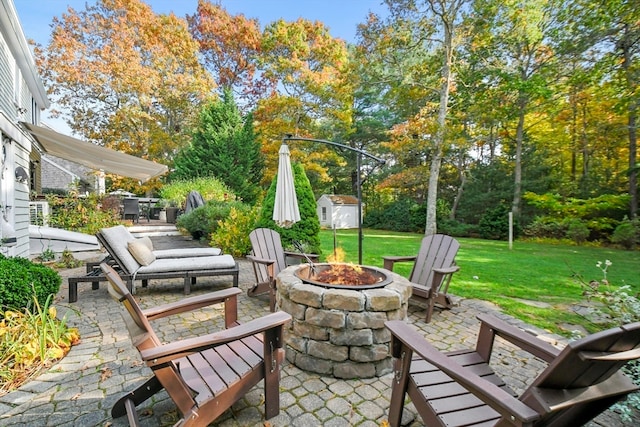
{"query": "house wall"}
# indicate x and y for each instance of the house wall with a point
(337, 215)
(325, 212)
(22, 96)
(64, 175)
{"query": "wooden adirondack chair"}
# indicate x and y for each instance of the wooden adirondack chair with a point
(460, 388)
(269, 259)
(203, 375)
(432, 270)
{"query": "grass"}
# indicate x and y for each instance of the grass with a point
(535, 282)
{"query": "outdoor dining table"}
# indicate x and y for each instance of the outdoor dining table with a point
(145, 205)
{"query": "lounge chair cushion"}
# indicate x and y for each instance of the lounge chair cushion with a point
(117, 238)
(147, 242)
(186, 252)
(189, 264)
(141, 252)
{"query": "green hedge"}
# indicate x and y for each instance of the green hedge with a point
(20, 278)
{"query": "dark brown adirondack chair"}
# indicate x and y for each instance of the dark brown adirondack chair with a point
(269, 259)
(432, 270)
(203, 375)
(460, 388)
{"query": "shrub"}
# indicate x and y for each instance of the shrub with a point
(400, 215)
(307, 230)
(627, 233)
(30, 340)
(80, 214)
(546, 227)
(494, 224)
(577, 231)
(176, 192)
(456, 228)
(20, 278)
(204, 220)
(232, 233)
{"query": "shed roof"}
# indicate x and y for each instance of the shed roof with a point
(337, 199)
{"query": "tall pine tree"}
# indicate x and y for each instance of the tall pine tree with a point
(224, 146)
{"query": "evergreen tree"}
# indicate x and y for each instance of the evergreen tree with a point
(224, 146)
(305, 231)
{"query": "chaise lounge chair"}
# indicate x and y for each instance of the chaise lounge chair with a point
(135, 259)
(460, 388)
(204, 375)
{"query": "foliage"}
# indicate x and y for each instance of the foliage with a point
(175, 193)
(304, 231)
(403, 214)
(224, 146)
(47, 255)
(627, 233)
(31, 340)
(204, 220)
(494, 224)
(125, 77)
(557, 206)
(311, 96)
(232, 233)
(457, 228)
(230, 48)
(21, 278)
(598, 214)
(67, 260)
(577, 231)
(82, 214)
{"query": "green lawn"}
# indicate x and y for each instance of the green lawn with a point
(490, 271)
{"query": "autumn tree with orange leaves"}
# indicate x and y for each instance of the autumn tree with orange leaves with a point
(125, 77)
(313, 96)
(230, 46)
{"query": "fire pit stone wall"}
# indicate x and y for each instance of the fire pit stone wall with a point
(340, 332)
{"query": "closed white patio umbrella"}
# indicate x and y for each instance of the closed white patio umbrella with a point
(285, 209)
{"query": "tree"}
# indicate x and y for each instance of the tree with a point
(125, 77)
(305, 231)
(609, 32)
(519, 58)
(230, 47)
(224, 146)
(418, 35)
(311, 96)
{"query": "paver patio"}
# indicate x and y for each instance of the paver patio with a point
(80, 389)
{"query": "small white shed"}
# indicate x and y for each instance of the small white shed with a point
(336, 211)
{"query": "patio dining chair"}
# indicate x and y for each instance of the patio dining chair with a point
(131, 208)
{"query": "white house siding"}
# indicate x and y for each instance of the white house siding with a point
(15, 195)
(337, 211)
(18, 102)
(7, 64)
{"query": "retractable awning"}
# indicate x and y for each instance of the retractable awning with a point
(94, 156)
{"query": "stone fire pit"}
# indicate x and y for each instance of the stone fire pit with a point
(340, 331)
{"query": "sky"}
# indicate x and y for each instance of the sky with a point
(340, 16)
